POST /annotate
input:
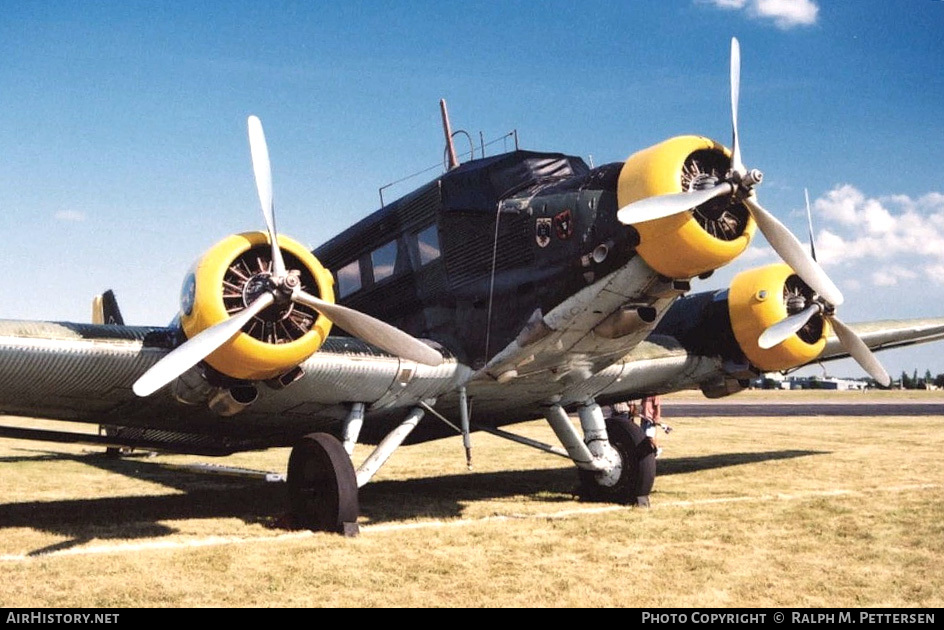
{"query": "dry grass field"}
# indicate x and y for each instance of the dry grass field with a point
(746, 512)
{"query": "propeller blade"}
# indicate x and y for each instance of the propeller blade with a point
(793, 253)
(372, 330)
(786, 328)
(661, 206)
(262, 169)
(809, 221)
(736, 164)
(192, 351)
(860, 352)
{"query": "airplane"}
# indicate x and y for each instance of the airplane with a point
(512, 287)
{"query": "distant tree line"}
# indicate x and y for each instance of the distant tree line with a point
(916, 382)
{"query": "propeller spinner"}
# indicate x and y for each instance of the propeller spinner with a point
(283, 288)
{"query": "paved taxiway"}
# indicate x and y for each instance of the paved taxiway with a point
(694, 409)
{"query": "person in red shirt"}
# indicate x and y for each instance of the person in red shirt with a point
(650, 417)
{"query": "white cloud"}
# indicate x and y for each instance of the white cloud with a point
(787, 13)
(899, 238)
(70, 215)
(890, 276)
(935, 273)
(852, 284)
(755, 254)
(784, 13)
(840, 204)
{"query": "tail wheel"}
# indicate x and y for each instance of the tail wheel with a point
(638, 467)
(322, 486)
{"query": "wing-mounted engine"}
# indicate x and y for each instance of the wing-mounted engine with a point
(230, 277)
(762, 297)
(258, 304)
(686, 244)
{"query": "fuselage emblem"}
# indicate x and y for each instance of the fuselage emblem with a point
(564, 225)
(542, 232)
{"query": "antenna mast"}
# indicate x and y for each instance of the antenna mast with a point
(447, 129)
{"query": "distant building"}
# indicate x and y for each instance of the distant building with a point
(776, 381)
(813, 382)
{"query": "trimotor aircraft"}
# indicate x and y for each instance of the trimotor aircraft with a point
(512, 287)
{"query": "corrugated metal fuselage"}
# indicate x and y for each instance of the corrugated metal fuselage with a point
(517, 232)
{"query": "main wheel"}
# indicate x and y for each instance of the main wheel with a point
(322, 486)
(631, 481)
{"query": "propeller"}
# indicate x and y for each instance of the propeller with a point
(787, 327)
(856, 348)
(809, 222)
(666, 205)
(262, 169)
(848, 339)
(793, 253)
(188, 354)
(736, 165)
(821, 304)
(372, 330)
(284, 287)
(740, 183)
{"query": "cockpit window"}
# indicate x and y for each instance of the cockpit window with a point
(384, 261)
(349, 279)
(427, 243)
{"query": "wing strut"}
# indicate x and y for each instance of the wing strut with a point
(388, 445)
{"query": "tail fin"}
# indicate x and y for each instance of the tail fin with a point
(105, 309)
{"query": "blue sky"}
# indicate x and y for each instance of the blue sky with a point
(123, 151)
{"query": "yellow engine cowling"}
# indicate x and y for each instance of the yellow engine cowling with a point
(756, 301)
(677, 246)
(210, 284)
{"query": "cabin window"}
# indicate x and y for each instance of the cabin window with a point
(427, 243)
(384, 261)
(349, 278)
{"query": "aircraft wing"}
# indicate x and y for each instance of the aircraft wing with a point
(887, 334)
(84, 373)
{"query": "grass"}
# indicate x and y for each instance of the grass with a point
(746, 512)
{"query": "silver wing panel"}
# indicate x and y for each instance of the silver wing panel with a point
(70, 371)
(657, 365)
(84, 372)
(883, 335)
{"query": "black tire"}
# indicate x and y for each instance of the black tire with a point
(322, 486)
(638, 472)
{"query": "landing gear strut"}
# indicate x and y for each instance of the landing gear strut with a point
(631, 481)
(322, 486)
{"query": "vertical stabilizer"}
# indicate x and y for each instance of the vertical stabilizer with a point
(105, 309)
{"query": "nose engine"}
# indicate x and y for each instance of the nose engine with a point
(692, 243)
(231, 276)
